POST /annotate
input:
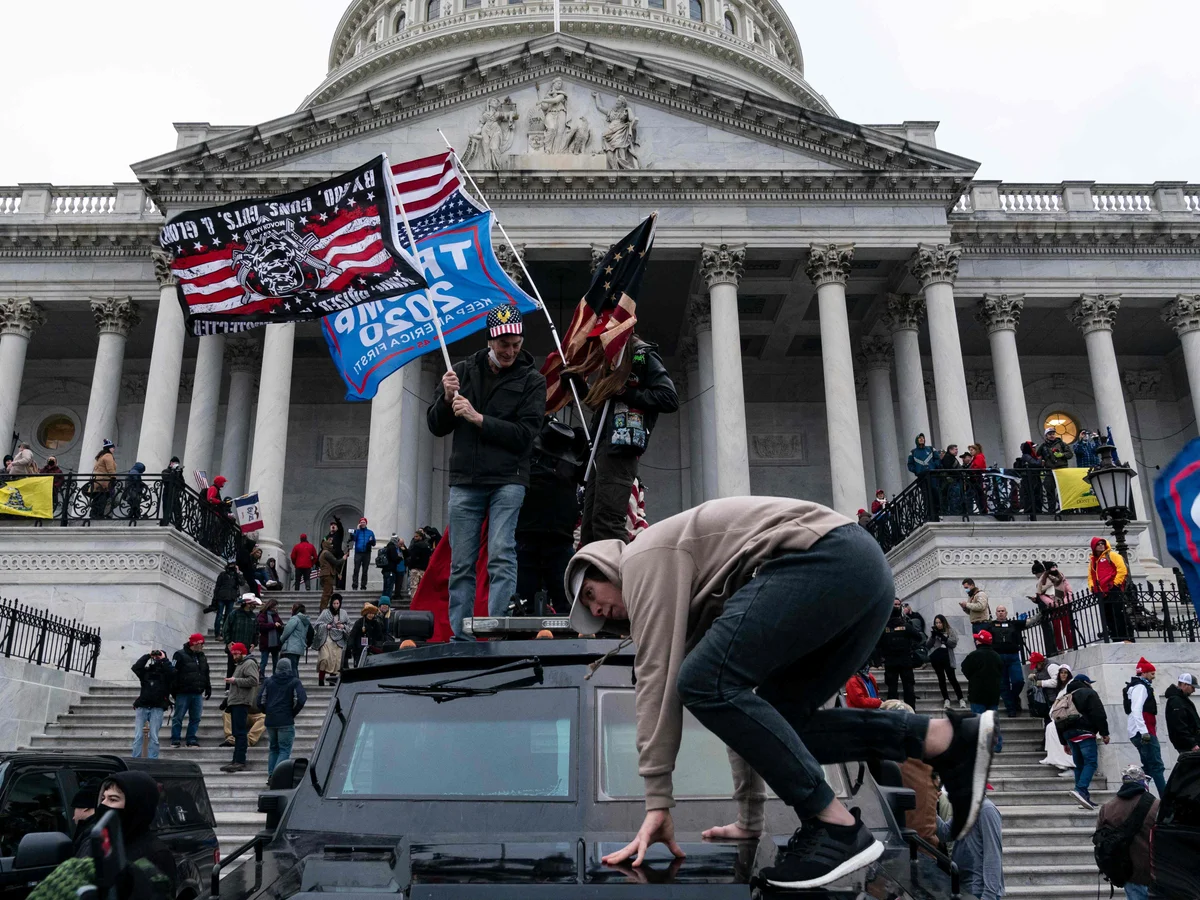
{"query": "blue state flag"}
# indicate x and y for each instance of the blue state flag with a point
(1177, 497)
(370, 341)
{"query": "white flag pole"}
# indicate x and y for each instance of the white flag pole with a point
(412, 244)
(537, 295)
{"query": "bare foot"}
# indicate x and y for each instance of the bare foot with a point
(733, 832)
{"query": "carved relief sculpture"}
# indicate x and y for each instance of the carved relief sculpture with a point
(488, 146)
(619, 139)
(550, 131)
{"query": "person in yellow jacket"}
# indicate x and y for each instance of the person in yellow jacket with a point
(1107, 576)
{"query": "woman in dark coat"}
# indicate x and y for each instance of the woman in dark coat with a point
(337, 537)
(270, 627)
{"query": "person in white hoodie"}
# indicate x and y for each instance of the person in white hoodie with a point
(1051, 682)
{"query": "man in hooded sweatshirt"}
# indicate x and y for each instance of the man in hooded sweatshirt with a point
(922, 460)
(242, 687)
(1183, 722)
(1141, 710)
(281, 698)
(492, 403)
(304, 560)
(740, 610)
(155, 673)
(1135, 785)
(1107, 575)
(135, 797)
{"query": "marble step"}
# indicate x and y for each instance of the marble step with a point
(206, 753)
(1082, 888)
(1036, 838)
(1051, 798)
(1049, 817)
(1051, 854)
(1073, 873)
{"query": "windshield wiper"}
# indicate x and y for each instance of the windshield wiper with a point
(451, 689)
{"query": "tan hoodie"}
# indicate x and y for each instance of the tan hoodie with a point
(675, 578)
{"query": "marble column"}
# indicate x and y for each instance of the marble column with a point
(877, 359)
(684, 423)
(19, 316)
(1183, 315)
(162, 383)
(1000, 314)
(244, 356)
(689, 391)
(1095, 315)
(432, 369)
(383, 454)
(935, 267)
(903, 317)
(829, 269)
(705, 413)
(202, 412)
(115, 317)
(269, 458)
(411, 424)
(722, 266)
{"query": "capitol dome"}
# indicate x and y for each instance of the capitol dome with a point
(748, 44)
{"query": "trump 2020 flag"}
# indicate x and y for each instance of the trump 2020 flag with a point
(371, 341)
(1177, 498)
(249, 513)
(293, 257)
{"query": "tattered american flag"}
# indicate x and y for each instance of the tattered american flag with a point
(432, 195)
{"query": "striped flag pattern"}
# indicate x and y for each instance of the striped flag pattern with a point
(431, 192)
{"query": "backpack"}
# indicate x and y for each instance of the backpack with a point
(381, 558)
(310, 636)
(1112, 842)
(1065, 714)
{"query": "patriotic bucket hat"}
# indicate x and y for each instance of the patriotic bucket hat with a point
(504, 319)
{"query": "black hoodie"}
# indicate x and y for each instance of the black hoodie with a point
(1091, 707)
(1183, 722)
(137, 822)
(511, 402)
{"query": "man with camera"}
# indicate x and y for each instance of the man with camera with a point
(155, 673)
(191, 688)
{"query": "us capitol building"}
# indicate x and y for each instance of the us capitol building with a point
(822, 291)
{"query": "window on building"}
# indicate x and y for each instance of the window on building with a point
(398, 24)
(730, 24)
(696, 10)
(433, 10)
(656, 4)
(1063, 424)
(472, 4)
(515, 2)
(56, 431)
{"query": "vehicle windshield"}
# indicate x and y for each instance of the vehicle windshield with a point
(701, 769)
(513, 745)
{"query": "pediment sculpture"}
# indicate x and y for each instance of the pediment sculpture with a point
(489, 145)
(550, 129)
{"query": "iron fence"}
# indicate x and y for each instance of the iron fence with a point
(148, 500)
(942, 495)
(48, 640)
(1140, 612)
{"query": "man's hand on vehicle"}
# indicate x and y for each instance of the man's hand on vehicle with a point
(657, 828)
(730, 832)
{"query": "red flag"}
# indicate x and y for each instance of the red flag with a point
(433, 593)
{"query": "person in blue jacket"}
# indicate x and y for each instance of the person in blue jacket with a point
(364, 541)
(923, 459)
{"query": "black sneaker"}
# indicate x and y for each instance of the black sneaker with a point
(964, 767)
(819, 853)
(175, 744)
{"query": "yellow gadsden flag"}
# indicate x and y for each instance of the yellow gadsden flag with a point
(1073, 491)
(32, 497)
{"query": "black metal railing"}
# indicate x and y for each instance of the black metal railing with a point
(944, 495)
(151, 500)
(1162, 612)
(47, 640)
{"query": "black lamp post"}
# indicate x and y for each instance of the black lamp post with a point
(1113, 483)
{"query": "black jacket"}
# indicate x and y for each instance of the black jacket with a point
(191, 673)
(1055, 454)
(496, 452)
(950, 461)
(900, 638)
(1090, 706)
(1006, 635)
(226, 587)
(376, 634)
(1183, 722)
(395, 557)
(282, 696)
(418, 555)
(649, 389)
(155, 676)
(984, 671)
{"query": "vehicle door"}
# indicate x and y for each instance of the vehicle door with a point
(33, 800)
(91, 773)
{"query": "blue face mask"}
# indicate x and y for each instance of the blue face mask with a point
(967, 590)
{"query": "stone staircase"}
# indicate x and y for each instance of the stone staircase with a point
(1047, 836)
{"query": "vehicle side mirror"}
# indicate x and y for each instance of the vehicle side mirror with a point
(288, 774)
(43, 849)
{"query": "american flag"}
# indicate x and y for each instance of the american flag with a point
(605, 318)
(432, 195)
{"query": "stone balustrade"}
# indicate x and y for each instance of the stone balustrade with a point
(45, 202)
(1085, 197)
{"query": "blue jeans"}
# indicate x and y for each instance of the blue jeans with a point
(224, 608)
(239, 727)
(785, 642)
(1152, 764)
(1012, 683)
(154, 716)
(262, 662)
(468, 508)
(1086, 758)
(193, 706)
(1136, 891)
(979, 709)
(280, 743)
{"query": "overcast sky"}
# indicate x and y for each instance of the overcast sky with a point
(1035, 91)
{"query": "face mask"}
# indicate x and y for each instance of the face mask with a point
(967, 590)
(493, 359)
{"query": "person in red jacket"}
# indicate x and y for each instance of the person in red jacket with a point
(213, 494)
(861, 690)
(304, 558)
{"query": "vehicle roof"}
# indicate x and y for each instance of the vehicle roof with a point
(455, 654)
(158, 767)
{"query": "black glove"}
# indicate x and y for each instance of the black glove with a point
(208, 694)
